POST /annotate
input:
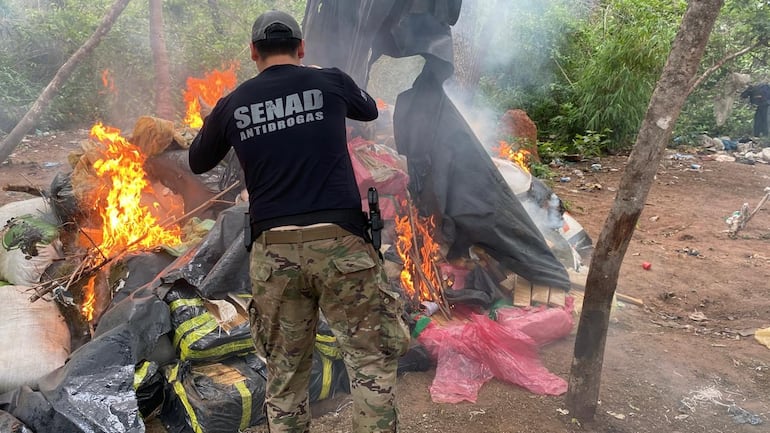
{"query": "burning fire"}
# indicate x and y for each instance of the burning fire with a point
(89, 299)
(108, 81)
(210, 88)
(381, 104)
(127, 224)
(413, 279)
(521, 157)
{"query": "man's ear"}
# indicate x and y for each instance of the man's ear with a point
(301, 49)
(254, 53)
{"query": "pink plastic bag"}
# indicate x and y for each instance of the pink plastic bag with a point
(469, 354)
(511, 355)
(458, 376)
(543, 324)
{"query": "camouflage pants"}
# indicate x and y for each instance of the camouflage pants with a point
(342, 277)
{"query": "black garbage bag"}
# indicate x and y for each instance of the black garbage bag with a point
(219, 265)
(328, 375)
(480, 289)
(198, 336)
(222, 397)
(452, 177)
(63, 200)
(149, 385)
(416, 358)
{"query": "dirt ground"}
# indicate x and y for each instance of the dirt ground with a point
(684, 362)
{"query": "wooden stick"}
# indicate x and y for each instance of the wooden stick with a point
(168, 221)
(746, 216)
(629, 299)
(436, 294)
(32, 190)
(442, 302)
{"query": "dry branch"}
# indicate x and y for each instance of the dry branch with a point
(740, 222)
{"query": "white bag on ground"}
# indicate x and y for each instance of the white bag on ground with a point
(28, 245)
(38, 207)
(35, 338)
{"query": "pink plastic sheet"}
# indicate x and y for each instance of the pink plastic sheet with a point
(542, 324)
(469, 354)
(458, 376)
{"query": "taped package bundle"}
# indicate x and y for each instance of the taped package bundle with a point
(207, 330)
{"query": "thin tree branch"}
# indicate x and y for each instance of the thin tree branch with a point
(721, 63)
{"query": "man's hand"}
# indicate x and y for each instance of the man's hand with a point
(205, 108)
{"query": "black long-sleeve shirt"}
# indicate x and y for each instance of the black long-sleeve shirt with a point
(287, 126)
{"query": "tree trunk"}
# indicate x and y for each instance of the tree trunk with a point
(662, 112)
(471, 47)
(164, 108)
(44, 100)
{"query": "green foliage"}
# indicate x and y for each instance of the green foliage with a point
(616, 61)
(541, 171)
(603, 66)
(591, 144)
(39, 37)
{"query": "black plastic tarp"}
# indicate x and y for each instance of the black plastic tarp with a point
(452, 176)
(219, 265)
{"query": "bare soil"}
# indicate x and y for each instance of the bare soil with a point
(684, 362)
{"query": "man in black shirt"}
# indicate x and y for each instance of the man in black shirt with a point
(287, 126)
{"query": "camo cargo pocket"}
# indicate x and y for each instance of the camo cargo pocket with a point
(256, 330)
(394, 331)
(359, 261)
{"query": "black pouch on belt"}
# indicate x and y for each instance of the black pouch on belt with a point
(247, 240)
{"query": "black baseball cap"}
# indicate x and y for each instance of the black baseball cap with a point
(275, 25)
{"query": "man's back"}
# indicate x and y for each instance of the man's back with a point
(287, 126)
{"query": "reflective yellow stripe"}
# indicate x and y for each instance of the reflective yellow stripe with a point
(245, 404)
(325, 338)
(180, 392)
(193, 323)
(326, 378)
(325, 345)
(232, 348)
(140, 374)
(192, 302)
(205, 328)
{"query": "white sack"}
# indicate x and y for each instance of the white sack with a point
(35, 339)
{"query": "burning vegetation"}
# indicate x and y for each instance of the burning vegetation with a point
(209, 88)
(127, 223)
(522, 157)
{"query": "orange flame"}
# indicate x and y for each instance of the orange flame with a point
(210, 88)
(108, 81)
(521, 156)
(410, 280)
(381, 105)
(127, 223)
(89, 299)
